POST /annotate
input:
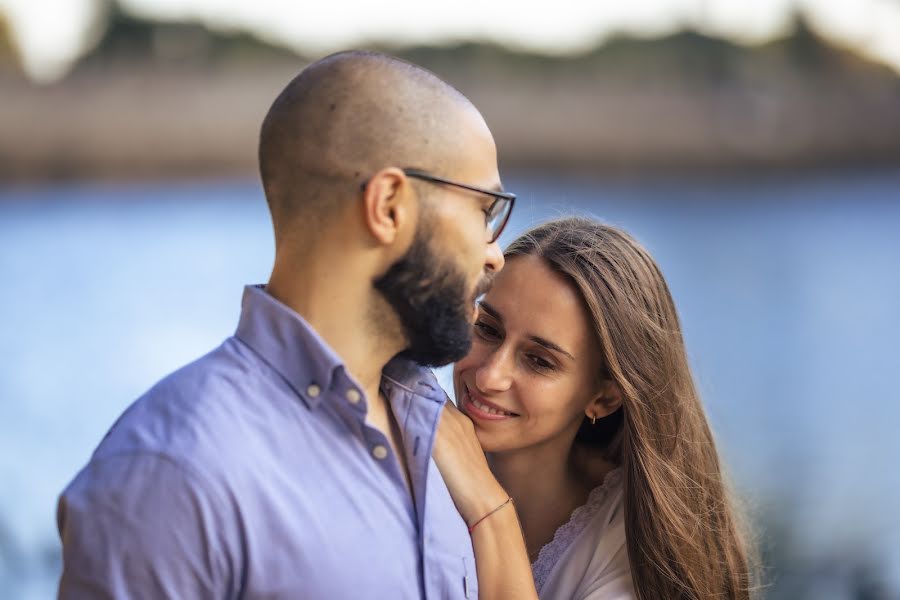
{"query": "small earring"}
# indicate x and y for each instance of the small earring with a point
(593, 420)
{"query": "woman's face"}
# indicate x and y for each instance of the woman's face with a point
(533, 368)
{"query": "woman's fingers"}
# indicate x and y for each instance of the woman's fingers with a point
(457, 426)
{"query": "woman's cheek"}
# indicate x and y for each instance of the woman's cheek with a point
(475, 357)
(468, 362)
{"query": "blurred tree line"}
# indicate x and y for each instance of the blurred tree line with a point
(161, 98)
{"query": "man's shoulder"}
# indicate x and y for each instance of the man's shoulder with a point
(191, 413)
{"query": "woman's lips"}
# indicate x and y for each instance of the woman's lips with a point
(482, 409)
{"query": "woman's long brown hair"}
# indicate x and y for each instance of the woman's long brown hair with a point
(685, 537)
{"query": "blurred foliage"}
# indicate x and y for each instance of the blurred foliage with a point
(687, 56)
(123, 39)
(9, 56)
(144, 89)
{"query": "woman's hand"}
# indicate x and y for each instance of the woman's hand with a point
(501, 559)
(465, 470)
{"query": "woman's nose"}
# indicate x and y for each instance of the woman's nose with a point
(495, 374)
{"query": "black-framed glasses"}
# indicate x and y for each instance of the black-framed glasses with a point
(496, 216)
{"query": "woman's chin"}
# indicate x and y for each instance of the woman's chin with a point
(489, 442)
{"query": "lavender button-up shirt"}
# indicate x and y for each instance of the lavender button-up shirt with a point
(251, 473)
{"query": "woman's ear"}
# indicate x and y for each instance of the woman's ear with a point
(607, 401)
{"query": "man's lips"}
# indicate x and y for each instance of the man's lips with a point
(483, 407)
(484, 286)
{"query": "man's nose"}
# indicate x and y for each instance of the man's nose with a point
(494, 260)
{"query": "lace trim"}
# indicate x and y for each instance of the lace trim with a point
(566, 534)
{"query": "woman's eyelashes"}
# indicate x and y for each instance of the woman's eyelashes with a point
(539, 363)
(489, 333)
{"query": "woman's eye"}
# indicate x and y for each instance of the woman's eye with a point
(539, 363)
(486, 331)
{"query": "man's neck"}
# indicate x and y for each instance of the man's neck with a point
(363, 352)
(338, 308)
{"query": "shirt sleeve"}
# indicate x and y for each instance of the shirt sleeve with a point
(141, 526)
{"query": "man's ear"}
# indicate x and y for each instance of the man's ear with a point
(607, 400)
(389, 207)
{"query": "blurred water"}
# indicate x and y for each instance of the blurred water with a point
(788, 287)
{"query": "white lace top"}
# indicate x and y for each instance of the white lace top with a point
(587, 558)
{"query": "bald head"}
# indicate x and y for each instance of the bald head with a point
(347, 116)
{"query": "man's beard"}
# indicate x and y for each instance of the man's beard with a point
(430, 298)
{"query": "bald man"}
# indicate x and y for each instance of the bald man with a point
(294, 461)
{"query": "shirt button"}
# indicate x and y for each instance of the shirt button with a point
(379, 452)
(314, 391)
(353, 396)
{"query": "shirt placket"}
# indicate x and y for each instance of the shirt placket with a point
(351, 406)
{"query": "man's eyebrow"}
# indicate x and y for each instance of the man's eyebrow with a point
(493, 312)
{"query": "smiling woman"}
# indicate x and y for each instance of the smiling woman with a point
(528, 335)
(578, 405)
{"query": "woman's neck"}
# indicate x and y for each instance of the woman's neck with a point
(546, 487)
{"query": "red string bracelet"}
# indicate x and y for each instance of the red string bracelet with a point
(475, 524)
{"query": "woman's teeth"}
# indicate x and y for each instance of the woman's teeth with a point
(488, 409)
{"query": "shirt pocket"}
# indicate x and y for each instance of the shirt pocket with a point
(454, 578)
(451, 571)
(470, 580)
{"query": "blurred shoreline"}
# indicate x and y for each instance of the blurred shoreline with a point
(163, 100)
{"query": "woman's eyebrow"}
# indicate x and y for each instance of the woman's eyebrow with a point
(490, 310)
(549, 345)
(493, 312)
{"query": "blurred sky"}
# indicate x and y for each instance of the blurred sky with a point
(52, 33)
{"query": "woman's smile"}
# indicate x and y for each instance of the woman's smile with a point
(479, 408)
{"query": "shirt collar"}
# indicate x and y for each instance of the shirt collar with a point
(288, 344)
(413, 378)
(293, 348)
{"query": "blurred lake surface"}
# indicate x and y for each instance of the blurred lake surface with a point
(788, 287)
